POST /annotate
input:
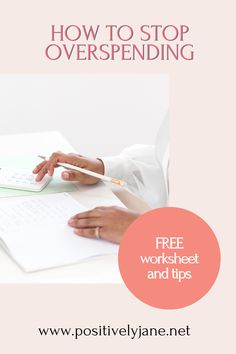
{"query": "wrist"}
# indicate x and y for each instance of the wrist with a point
(100, 166)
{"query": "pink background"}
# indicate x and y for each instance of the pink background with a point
(202, 174)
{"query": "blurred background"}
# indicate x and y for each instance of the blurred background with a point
(99, 115)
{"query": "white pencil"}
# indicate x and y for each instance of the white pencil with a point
(116, 181)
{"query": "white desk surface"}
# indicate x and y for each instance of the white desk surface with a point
(102, 269)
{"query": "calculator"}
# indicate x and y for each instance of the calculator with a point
(22, 179)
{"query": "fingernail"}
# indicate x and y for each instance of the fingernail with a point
(65, 175)
(71, 221)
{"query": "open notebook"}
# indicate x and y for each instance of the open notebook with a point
(34, 231)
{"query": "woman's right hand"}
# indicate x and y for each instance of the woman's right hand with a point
(48, 166)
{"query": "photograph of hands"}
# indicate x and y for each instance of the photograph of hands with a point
(111, 192)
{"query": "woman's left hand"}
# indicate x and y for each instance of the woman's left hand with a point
(108, 223)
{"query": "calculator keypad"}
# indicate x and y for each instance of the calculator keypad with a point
(21, 179)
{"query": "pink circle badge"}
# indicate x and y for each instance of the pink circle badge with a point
(169, 258)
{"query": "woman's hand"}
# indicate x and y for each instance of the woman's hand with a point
(108, 223)
(91, 164)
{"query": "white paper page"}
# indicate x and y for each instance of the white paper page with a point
(35, 231)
